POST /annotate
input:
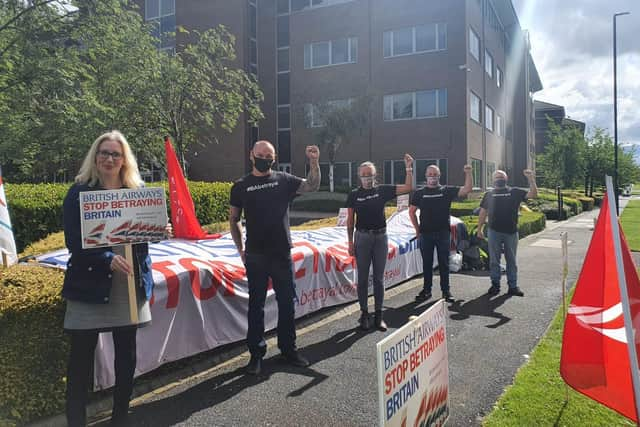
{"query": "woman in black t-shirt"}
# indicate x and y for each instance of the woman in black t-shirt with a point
(369, 242)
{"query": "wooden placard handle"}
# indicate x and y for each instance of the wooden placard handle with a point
(131, 286)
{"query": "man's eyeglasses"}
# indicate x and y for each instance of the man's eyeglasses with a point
(104, 155)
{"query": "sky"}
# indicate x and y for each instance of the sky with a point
(572, 46)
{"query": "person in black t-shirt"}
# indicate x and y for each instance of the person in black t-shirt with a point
(501, 205)
(369, 243)
(434, 229)
(264, 196)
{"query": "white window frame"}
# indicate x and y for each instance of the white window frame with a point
(488, 63)
(489, 114)
(499, 125)
(352, 53)
(499, 76)
(310, 5)
(473, 36)
(414, 50)
(388, 100)
(471, 105)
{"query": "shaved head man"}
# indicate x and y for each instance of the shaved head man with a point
(264, 196)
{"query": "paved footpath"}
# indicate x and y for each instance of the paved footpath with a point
(488, 338)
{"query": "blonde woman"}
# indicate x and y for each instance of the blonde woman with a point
(95, 283)
(369, 243)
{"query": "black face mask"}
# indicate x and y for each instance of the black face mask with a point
(262, 165)
(500, 183)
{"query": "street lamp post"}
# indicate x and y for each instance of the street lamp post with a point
(615, 112)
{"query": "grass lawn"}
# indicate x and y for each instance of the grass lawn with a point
(630, 220)
(537, 396)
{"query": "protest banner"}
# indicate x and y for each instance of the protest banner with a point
(342, 217)
(402, 202)
(413, 372)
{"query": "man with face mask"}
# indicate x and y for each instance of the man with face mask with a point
(501, 205)
(369, 243)
(434, 228)
(264, 196)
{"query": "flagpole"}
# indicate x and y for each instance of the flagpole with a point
(565, 272)
(624, 298)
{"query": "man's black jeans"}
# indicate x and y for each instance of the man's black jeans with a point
(278, 267)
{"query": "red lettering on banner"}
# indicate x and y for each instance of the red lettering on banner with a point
(295, 257)
(340, 255)
(225, 274)
(173, 284)
(200, 292)
(392, 252)
(314, 251)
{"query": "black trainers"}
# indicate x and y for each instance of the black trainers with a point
(294, 358)
(254, 366)
(379, 322)
(446, 295)
(494, 290)
(365, 321)
(516, 292)
(423, 295)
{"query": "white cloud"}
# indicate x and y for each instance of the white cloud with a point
(572, 48)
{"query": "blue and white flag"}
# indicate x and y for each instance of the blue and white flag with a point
(7, 242)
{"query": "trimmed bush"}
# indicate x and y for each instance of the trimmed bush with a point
(36, 209)
(34, 348)
(319, 202)
(528, 223)
(465, 207)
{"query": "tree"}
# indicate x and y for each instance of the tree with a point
(339, 122)
(201, 92)
(600, 162)
(563, 160)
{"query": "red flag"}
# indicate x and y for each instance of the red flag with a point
(183, 214)
(595, 357)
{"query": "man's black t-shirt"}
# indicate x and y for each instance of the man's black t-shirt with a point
(435, 207)
(369, 206)
(503, 205)
(265, 202)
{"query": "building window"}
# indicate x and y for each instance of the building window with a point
(283, 60)
(283, 7)
(488, 63)
(284, 117)
(499, 125)
(477, 173)
(283, 31)
(298, 5)
(475, 110)
(283, 88)
(423, 38)
(284, 146)
(491, 168)
(498, 77)
(322, 54)
(313, 114)
(488, 111)
(474, 44)
(162, 15)
(415, 105)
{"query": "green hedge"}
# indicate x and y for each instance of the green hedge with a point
(321, 201)
(34, 348)
(528, 223)
(36, 209)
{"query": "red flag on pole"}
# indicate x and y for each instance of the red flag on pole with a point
(596, 360)
(183, 214)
